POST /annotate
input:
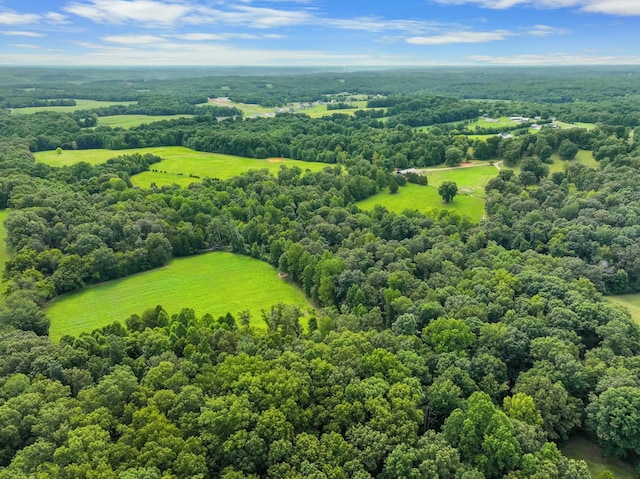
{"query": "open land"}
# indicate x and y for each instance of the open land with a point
(214, 283)
(424, 199)
(629, 301)
(129, 121)
(579, 447)
(80, 105)
(180, 165)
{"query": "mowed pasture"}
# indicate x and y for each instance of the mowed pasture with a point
(129, 121)
(80, 105)
(470, 180)
(629, 301)
(424, 199)
(179, 165)
(214, 283)
(579, 447)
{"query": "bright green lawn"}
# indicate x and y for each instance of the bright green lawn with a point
(425, 198)
(4, 253)
(629, 301)
(80, 105)
(469, 180)
(128, 121)
(214, 283)
(579, 447)
(502, 122)
(176, 160)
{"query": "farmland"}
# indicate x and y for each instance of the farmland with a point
(128, 121)
(214, 283)
(80, 105)
(424, 199)
(179, 164)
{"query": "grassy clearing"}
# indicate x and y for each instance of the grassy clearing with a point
(128, 121)
(503, 122)
(470, 180)
(629, 301)
(584, 157)
(80, 105)
(4, 252)
(587, 126)
(424, 199)
(579, 447)
(247, 108)
(178, 163)
(214, 283)
(318, 111)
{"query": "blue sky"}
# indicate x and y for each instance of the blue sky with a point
(345, 33)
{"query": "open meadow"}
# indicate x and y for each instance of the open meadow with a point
(579, 447)
(424, 199)
(179, 164)
(248, 109)
(214, 283)
(80, 105)
(629, 301)
(584, 157)
(470, 180)
(129, 121)
(318, 111)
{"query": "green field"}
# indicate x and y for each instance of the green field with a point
(4, 253)
(629, 301)
(247, 108)
(178, 163)
(586, 126)
(469, 180)
(579, 447)
(80, 105)
(318, 111)
(584, 157)
(424, 199)
(128, 121)
(214, 283)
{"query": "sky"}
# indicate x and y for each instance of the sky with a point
(342, 33)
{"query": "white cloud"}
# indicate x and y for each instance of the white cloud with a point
(611, 7)
(461, 37)
(248, 16)
(556, 59)
(546, 30)
(133, 39)
(373, 24)
(15, 33)
(123, 11)
(23, 45)
(204, 37)
(8, 17)
(55, 18)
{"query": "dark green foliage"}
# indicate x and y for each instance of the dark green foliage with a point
(440, 348)
(448, 190)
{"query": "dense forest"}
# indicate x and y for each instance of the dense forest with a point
(439, 347)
